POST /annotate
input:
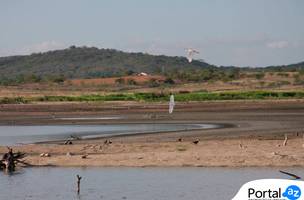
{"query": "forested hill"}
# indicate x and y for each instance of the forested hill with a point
(84, 62)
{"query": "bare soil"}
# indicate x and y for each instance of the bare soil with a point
(253, 133)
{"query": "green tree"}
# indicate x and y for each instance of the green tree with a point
(301, 71)
(259, 75)
(32, 79)
(21, 78)
(158, 70)
(169, 81)
(59, 78)
(129, 72)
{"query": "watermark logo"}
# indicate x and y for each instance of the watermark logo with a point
(271, 189)
(293, 192)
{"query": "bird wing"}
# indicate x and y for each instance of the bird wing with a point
(191, 48)
(293, 175)
(190, 56)
(172, 104)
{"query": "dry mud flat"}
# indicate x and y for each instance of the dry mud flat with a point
(259, 126)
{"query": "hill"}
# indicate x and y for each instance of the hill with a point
(83, 62)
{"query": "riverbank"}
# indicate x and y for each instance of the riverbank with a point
(254, 134)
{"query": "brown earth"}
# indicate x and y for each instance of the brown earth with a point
(138, 79)
(107, 86)
(260, 127)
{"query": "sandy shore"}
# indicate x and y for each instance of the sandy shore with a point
(260, 126)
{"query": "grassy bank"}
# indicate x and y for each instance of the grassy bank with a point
(152, 97)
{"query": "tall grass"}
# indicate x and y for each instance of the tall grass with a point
(152, 97)
(112, 97)
(240, 95)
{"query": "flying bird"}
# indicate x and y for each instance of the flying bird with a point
(191, 50)
(172, 104)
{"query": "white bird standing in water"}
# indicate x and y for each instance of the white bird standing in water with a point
(191, 50)
(172, 104)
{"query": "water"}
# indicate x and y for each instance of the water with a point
(12, 135)
(114, 183)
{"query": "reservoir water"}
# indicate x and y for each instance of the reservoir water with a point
(116, 183)
(12, 135)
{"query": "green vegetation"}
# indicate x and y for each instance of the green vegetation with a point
(210, 75)
(301, 71)
(84, 62)
(258, 76)
(152, 97)
(282, 74)
(112, 97)
(280, 83)
(298, 78)
(182, 149)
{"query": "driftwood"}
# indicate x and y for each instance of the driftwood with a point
(285, 141)
(290, 174)
(68, 142)
(78, 183)
(10, 159)
(75, 137)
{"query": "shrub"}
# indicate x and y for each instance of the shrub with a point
(282, 74)
(225, 79)
(169, 81)
(262, 83)
(256, 75)
(131, 81)
(152, 81)
(184, 91)
(271, 85)
(280, 83)
(181, 149)
(301, 71)
(120, 81)
(59, 78)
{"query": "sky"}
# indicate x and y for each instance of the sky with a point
(242, 33)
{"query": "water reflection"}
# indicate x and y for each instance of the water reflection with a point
(10, 135)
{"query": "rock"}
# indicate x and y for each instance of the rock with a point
(70, 154)
(45, 155)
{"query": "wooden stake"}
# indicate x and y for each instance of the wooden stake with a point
(285, 141)
(78, 184)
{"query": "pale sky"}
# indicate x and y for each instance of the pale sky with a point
(225, 32)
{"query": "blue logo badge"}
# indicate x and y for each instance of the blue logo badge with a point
(293, 192)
